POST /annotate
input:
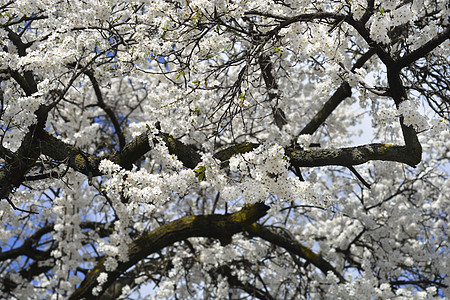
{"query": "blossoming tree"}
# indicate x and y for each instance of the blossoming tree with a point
(209, 149)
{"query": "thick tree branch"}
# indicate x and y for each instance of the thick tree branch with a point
(369, 11)
(422, 51)
(225, 154)
(339, 95)
(354, 155)
(409, 154)
(74, 157)
(365, 34)
(12, 173)
(88, 164)
(221, 227)
(27, 82)
(293, 246)
(398, 93)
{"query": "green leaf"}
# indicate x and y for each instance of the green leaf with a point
(200, 173)
(182, 73)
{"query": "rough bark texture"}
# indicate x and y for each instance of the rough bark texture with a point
(221, 227)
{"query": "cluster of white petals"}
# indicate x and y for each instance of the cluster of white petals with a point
(100, 99)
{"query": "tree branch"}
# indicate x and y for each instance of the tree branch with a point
(12, 173)
(338, 96)
(266, 67)
(101, 103)
(365, 34)
(354, 155)
(424, 49)
(221, 227)
(234, 281)
(293, 246)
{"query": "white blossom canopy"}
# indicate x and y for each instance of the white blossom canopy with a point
(190, 149)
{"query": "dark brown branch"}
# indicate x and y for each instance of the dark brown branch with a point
(225, 154)
(22, 19)
(365, 34)
(398, 93)
(266, 67)
(221, 227)
(354, 155)
(422, 51)
(23, 83)
(363, 181)
(72, 156)
(101, 103)
(369, 11)
(339, 95)
(234, 281)
(88, 164)
(12, 173)
(140, 145)
(409, 154)
(187, 154)
(294, 247)
(27, 82)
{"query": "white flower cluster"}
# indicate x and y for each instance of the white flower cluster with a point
(411, 117)
(379, 28)
(386, 116)
(67, 214)
(438, 125)
(146, 193)
(304, 140)
(102, 278)
(144, 187)
(264, 172)
(389, 17)
(161, 155)
(20, 112)
(402, 15)
(108, 167)
(354, 78)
